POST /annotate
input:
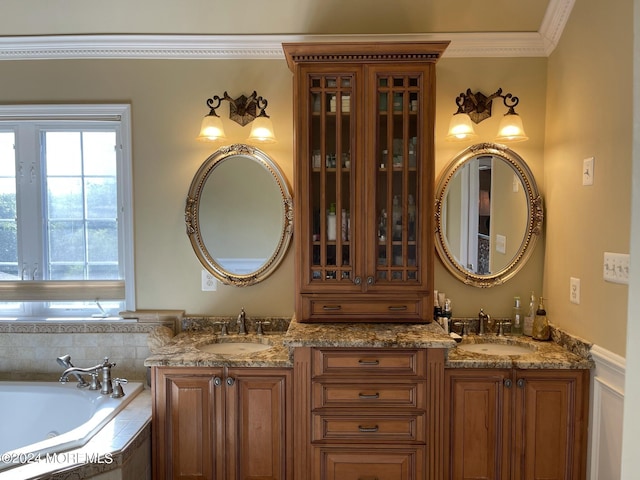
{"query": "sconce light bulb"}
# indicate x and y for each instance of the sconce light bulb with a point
(262, 130)
(460, 128)
(211, 129)
(511, 129)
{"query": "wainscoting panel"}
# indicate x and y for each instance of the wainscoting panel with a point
(607, 402)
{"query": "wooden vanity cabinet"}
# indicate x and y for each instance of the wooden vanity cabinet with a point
(221, 423)
(364, 179)
(374, 413)
(516, 424)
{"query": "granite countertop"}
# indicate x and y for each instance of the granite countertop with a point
(368, 335)
(182, 351)
(572, 354)
(562, 352)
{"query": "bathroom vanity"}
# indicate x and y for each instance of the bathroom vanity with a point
(384, 400)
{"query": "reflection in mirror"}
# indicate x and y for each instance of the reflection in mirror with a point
(239, 215)
(488, 214)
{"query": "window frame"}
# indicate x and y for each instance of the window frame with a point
(56, 116)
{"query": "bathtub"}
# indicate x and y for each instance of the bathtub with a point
(41, 419)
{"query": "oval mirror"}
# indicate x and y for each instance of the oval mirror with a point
(488, 215)
(239, 215)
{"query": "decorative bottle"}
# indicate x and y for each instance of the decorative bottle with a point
(531, 314)
(541, 330)
(516, 317)
(331, 223)
(396, 216)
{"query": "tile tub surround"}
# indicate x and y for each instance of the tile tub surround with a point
(126, 439)
(28, 350)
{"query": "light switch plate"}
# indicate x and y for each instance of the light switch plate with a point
(587, 171)
(501, 244)
(616, 268)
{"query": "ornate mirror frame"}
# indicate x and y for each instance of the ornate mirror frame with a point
(194, 221)
(534, 221)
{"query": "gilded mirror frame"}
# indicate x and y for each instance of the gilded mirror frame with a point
(193, 220)
(535, 215)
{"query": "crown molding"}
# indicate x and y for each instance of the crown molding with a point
(116, 46)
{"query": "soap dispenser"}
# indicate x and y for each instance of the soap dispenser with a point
(541, 330)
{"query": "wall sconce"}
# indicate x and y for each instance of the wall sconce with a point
(243, 110)
(476, 107)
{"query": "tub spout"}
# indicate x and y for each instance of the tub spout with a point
(65, 361)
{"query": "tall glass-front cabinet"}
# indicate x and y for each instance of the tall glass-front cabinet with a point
(364, 179)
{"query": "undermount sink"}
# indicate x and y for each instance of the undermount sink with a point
(496, 348)
(234, 348)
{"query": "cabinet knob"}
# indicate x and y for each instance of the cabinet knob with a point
(520, 383)
(357, 280)
(217, 381)
(508, 383)
(370, 280)
(230, 381)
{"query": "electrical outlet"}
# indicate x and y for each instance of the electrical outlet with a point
(209, 282)
(587, 171)
(616, 268)
(574, 290)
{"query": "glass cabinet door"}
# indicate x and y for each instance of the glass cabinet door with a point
(397, 178)
(331, 189)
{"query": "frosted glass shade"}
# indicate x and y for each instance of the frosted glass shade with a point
(211, 129)
(460, 128)
(262, 130)
(511, 129)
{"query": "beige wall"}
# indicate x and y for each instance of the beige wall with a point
(168, 101)
(589, 114)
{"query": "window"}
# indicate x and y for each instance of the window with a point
(66, 242)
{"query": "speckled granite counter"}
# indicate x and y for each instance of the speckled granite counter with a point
(564, 351)
(371, 335)
(182, 351)
(548, 355)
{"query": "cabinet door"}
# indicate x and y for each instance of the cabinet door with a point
(550, 431)
(477, 404)
(188, 441)
(329, 106)
(399, 163)
(258, 421)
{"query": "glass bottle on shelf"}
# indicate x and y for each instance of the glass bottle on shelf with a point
(331, 223)
(397, 218)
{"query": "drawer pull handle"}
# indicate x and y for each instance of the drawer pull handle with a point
(369, 396)
(397, 308)
(331, 308)
(369, 362)
(368, 429)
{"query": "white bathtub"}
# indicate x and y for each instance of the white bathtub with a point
(40, 418)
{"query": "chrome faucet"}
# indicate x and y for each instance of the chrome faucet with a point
(65, 361)
(103, 368)
(482, 319)
(241, 322)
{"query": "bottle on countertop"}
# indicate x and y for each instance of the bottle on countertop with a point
(527, 327)
(516, 317)
(541, 330)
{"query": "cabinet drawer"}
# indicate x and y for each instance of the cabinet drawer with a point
(369, 428)
(373, 361)
(369, 309)
(363, 394)
(369, 464)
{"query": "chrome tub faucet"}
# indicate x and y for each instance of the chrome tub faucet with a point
(104, 368)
